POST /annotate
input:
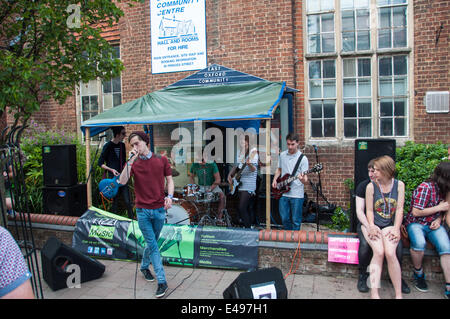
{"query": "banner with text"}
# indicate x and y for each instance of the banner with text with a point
(105, 235)
(178, 35)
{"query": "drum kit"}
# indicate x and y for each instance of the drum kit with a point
(186, 210)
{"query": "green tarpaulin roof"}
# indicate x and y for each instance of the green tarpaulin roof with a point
(243, 101)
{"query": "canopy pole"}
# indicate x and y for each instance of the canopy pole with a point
(268, 186)
(88, 166)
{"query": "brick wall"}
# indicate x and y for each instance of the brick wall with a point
(431, 67)
(265, 38)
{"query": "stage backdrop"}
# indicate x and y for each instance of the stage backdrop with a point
(105, 235)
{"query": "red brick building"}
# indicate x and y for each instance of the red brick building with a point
(362, 70)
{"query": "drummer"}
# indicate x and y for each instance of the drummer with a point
(208, 179)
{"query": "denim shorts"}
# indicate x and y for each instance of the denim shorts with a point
(418, 234)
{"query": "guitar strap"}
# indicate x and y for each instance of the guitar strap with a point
(297, 164)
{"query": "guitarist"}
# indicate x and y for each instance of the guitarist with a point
(112, 160)
(248, 169)
(291, 203)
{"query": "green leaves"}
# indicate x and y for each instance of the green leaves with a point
(415, 164)
(46, 54)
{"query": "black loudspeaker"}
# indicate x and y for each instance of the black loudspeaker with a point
(260, 284)
(67, 201)
(366, 150)
(59, 165)
(57, 258)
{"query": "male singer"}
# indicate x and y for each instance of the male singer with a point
(150, 172)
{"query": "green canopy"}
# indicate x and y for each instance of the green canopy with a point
(243, 101)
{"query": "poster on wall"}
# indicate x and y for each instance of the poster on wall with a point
(178, 35)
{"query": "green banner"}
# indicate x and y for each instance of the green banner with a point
(105, 235)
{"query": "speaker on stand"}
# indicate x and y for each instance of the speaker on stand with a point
(366, 150)
(56, 258)
(59, 164)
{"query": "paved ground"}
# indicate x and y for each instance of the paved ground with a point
(118, 282)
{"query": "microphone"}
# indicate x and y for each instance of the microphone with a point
(131, 155)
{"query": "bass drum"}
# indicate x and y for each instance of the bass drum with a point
(184, 213)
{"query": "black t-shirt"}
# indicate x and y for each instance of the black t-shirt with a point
(361, 188)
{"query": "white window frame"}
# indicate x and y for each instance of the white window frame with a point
(374, 53)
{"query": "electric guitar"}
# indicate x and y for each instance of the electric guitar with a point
(236, 180)
(284, 182)
(109, 187)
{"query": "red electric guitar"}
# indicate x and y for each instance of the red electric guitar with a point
(284, 182)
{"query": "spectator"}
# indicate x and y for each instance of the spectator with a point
(14, 274)
(429, 204)
(384, 203)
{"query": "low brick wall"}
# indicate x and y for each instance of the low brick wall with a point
(302, 252)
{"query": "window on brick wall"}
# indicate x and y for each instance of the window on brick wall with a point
(97, 96)
(358, 83)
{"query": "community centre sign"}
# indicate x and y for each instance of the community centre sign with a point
(178, 35)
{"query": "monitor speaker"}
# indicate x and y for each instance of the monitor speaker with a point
(65, 267)
(366, 150)
(260, 284)
(65, 200)
(59, 165)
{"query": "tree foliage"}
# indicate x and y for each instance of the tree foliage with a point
(49, 46)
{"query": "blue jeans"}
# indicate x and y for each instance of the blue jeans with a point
(150, 222)
(291, 211)
(438, 237)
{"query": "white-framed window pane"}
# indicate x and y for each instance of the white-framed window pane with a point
(349, 88)
(348, 20)
(314, 44)
(117, 99)
(329, 88)
(364, 128)
(349, 68)
(316, 128)
(350, 128)
(399, 36)
(386, 87)
(316, 109)
(348, 41)
(364, 87)
(329, 69)
(400, 126)
(385, 66)
(400, 65)
(384, 39)
(365, 108)
(363, 39)
(314, 24)
(329, 128)
(315, 89)
(107, 101)
(350, 108)
(315, 70)
(386, 107)
(386, 128)
(328, 42)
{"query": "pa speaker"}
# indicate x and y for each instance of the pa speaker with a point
(67, 201)
(59, 165)
(260, 284)
(366, 150)
(60, 261)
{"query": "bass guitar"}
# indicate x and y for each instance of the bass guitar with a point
(109, 187)
(284, 182)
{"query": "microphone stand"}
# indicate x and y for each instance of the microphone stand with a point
(318, 188)
(95, 157)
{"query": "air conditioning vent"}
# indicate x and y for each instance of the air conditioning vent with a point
(437, 101)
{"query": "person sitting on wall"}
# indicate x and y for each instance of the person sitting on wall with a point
(364, 250)
(429, 204)
(385, 197)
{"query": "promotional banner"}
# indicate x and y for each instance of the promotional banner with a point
(178, 35)
(104, 235)
(343, 249)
